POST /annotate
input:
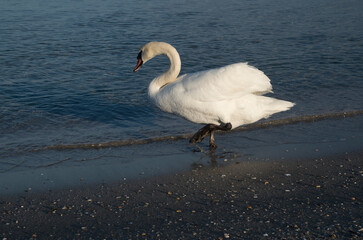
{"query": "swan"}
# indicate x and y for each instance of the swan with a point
(222, 98)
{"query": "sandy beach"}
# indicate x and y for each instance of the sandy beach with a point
(89, 149)
(297, 199)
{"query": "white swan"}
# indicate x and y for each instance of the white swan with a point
(223, 98)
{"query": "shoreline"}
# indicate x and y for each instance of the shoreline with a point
(53, 169)
(302, 198)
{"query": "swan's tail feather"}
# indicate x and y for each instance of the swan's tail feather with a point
(275, 106)
(255, 107)
(282, 105)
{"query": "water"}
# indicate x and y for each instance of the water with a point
(66, 74)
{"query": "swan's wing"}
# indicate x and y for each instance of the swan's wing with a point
(224, 83)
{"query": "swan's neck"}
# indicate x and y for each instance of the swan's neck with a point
(168, 76)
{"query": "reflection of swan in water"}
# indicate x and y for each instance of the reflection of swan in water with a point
(213, 158)
(223, 98)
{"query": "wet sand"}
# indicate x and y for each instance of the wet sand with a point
(292, 199)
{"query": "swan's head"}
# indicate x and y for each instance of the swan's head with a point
(145, 54)
(150, 50)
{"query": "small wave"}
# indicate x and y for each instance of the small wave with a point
(253, 126)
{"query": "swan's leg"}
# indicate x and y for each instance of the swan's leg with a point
(225, 127)
(212, 143)
(201, 134)
(209, 130)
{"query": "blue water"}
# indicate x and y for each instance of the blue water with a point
(66, 66)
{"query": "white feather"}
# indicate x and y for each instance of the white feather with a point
(230, 94)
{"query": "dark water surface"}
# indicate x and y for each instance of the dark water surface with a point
(66, 78)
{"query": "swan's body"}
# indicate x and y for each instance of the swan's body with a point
(226, 95)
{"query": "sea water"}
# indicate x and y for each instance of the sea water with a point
(66, 80)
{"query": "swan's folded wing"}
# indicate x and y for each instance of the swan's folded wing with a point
(225, 83)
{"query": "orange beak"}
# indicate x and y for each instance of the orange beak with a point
(139, 62)
(138, 65)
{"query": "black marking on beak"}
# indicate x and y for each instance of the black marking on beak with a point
(139, 62)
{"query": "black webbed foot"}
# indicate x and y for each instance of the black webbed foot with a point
(227, 127)
(212, 146)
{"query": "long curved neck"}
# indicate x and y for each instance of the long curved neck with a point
(170, 75)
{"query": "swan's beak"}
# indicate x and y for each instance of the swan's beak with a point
(138, 65)
(139, 62)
